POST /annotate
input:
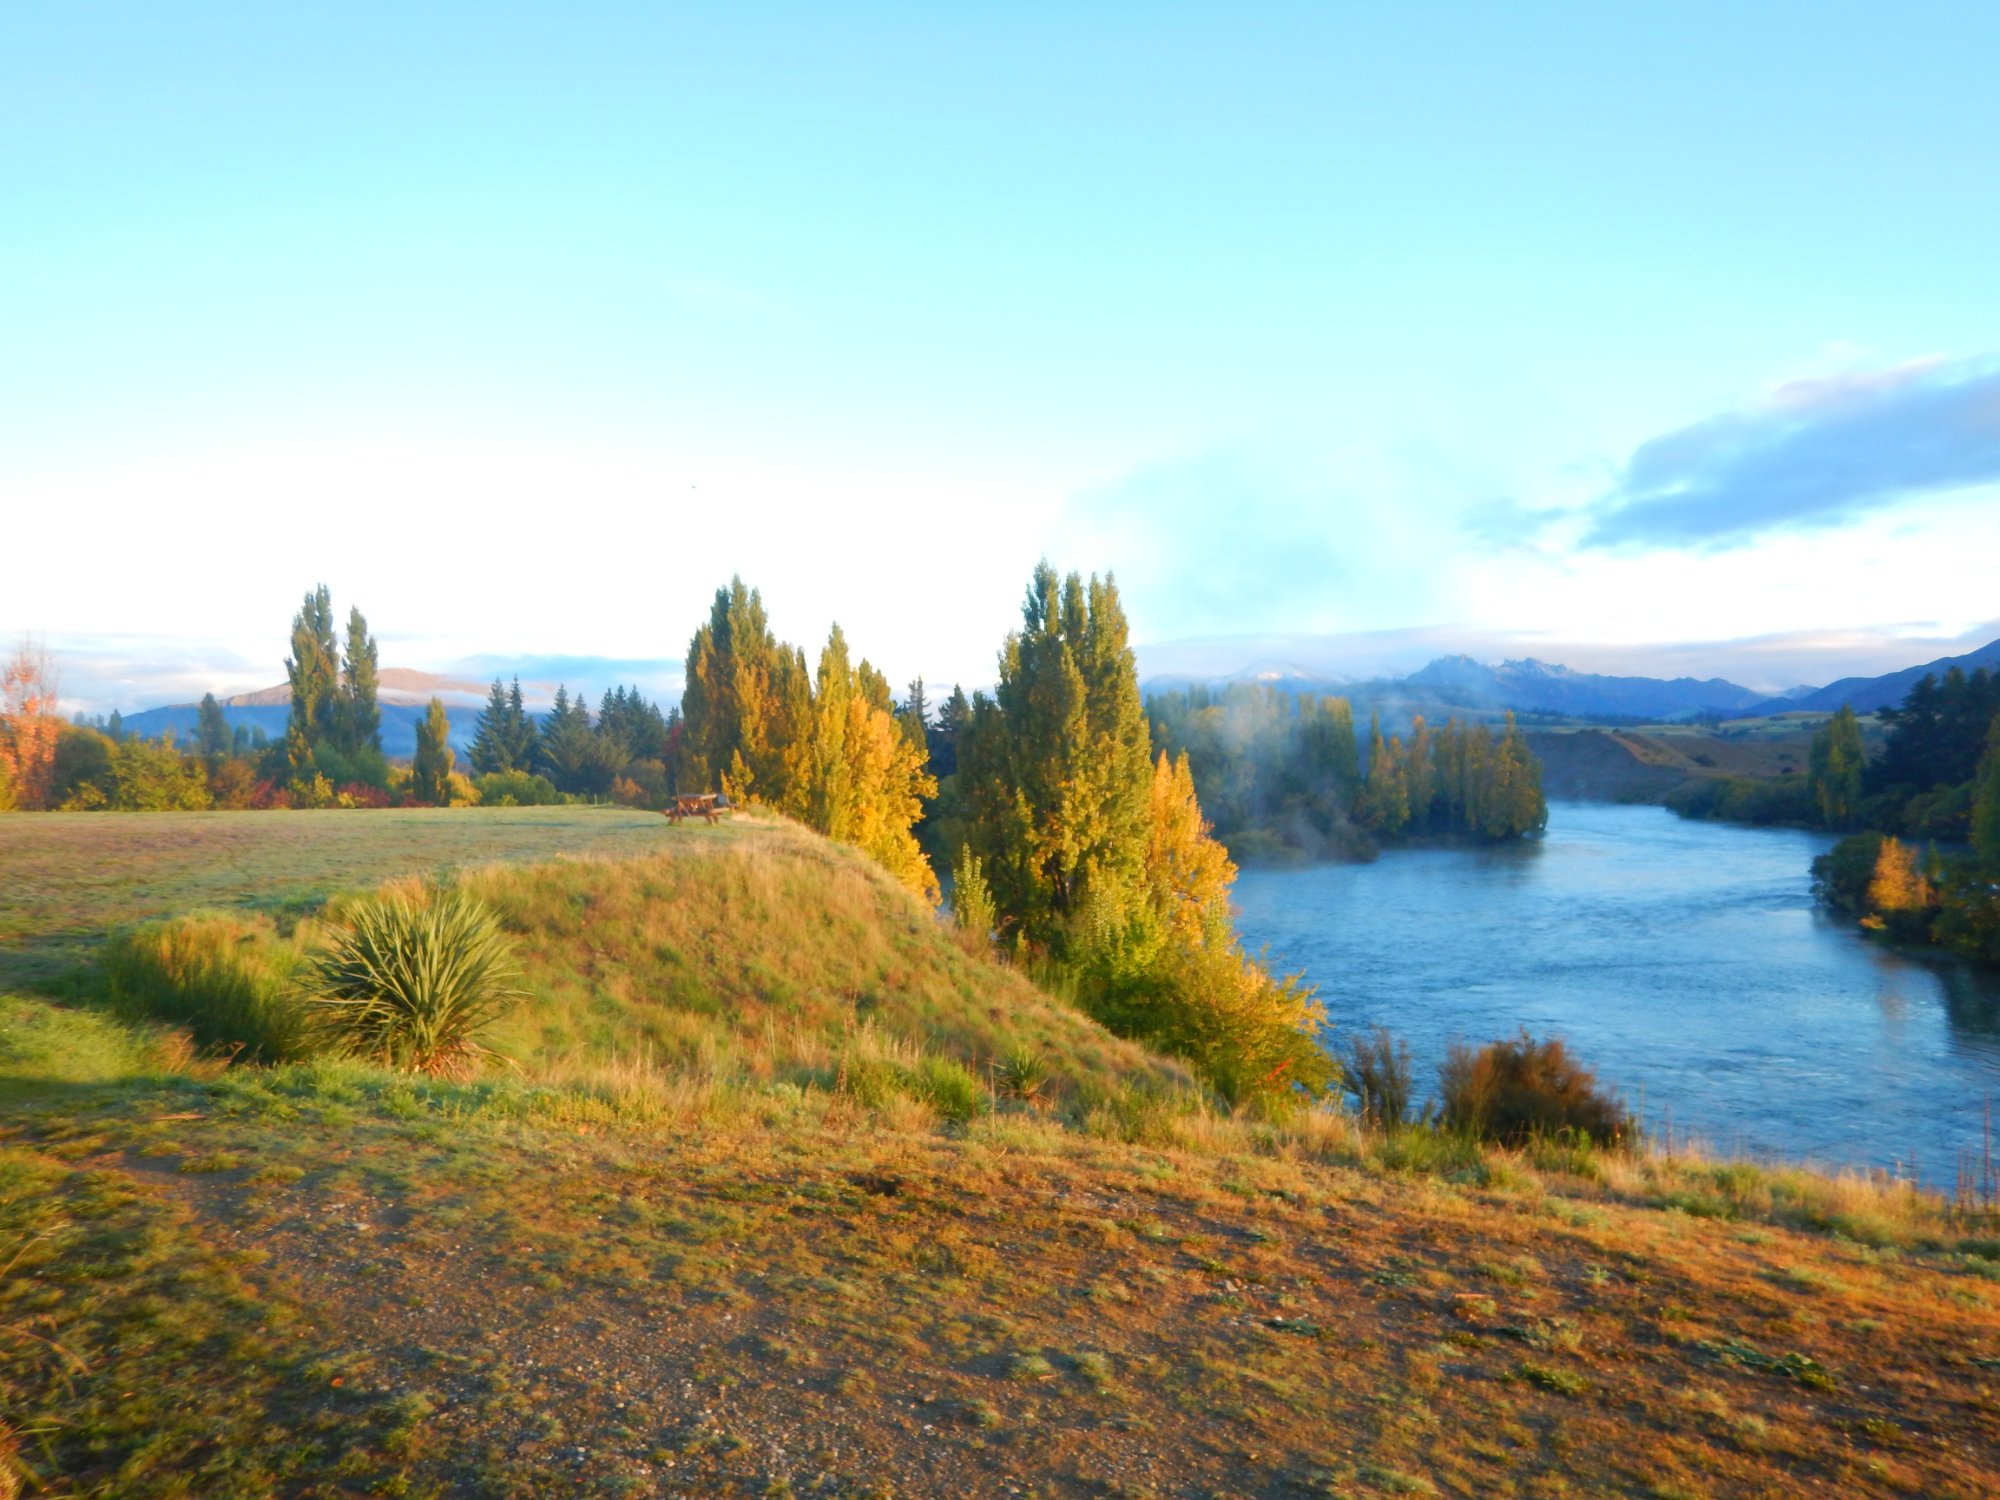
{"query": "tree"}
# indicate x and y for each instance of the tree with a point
(211, 732)
(1097, 857)
(430, 775)
(1056, 767)
(357, 715)
(29, 725)
(1986, 804)
(563, 751)
(746, 705)
(1384, 804)
(312, 672)
(492, 749)
(1834, 766)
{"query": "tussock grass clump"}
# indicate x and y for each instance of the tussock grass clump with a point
(226, 979)
(411, 980)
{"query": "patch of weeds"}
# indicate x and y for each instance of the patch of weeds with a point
(1395, 1481)
(277, 1172)
(1551, 1378)
(1791, 1365)
(1094, 1367)
(1030, 1367)
(214, 1161)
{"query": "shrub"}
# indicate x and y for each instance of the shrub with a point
(226, 980)
(949, 1088)
(411, 981)
(1515, 1092)
(1378, 1075)
(1023, 1073)
(517, 789)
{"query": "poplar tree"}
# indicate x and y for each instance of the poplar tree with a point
(430, 774)
(746, 704)
(357, 716)
(211, 732)
(312, 672)
(1986, 802)
(1833, 768)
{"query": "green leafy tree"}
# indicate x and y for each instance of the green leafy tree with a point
(313, 673)
(1986, 803)
(746, 707)
(211, 733)
(1056, 768)
(1834, 767)
(430, 774)
(358, 716)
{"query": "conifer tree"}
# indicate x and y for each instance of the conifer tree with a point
(430, 774)
(522, 735)
(563, 751)
(492, 736)
(1384, 805)
(913, 717)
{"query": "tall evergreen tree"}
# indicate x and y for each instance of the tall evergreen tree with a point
(492, 736)
(563, 752)
(430, 774)
(312, 671)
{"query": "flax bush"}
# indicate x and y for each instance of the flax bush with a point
(410, 981)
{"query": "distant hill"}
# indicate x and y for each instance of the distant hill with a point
(1462, 685)
(1865, 694)
(1533, 686)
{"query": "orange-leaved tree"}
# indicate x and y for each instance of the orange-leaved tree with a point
(29, 725)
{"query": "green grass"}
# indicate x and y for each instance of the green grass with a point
(73, 877)
(781, 1191)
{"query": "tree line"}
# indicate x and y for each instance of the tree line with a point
(1283, 774)
(1075, 849)
(1924, 865)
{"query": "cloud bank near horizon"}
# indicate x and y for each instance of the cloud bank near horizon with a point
(1815, 453)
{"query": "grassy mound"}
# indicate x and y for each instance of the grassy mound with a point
(769, 957)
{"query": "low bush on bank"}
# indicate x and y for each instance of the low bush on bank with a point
(1520, 1091)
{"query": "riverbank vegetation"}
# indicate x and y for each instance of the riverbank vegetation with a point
(1282, 775)
(822, 1200)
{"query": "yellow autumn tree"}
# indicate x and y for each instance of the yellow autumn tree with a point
(1899, 897)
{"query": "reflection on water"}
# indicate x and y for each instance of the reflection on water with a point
(1685, 961)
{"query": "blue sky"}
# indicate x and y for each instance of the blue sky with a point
(1562, 329)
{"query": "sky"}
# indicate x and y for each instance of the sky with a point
(1661, 338)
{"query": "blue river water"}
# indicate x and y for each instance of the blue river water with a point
(1685, 962)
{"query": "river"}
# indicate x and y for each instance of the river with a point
(1686, 962)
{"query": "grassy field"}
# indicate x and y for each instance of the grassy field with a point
(708, 1234)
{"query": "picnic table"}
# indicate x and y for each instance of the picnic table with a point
(694, 805)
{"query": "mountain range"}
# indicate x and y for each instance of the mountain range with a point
(1449, 684)
(1462, 684)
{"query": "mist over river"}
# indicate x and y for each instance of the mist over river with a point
(1686, 962)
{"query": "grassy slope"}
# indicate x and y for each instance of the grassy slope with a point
(673, 1255)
